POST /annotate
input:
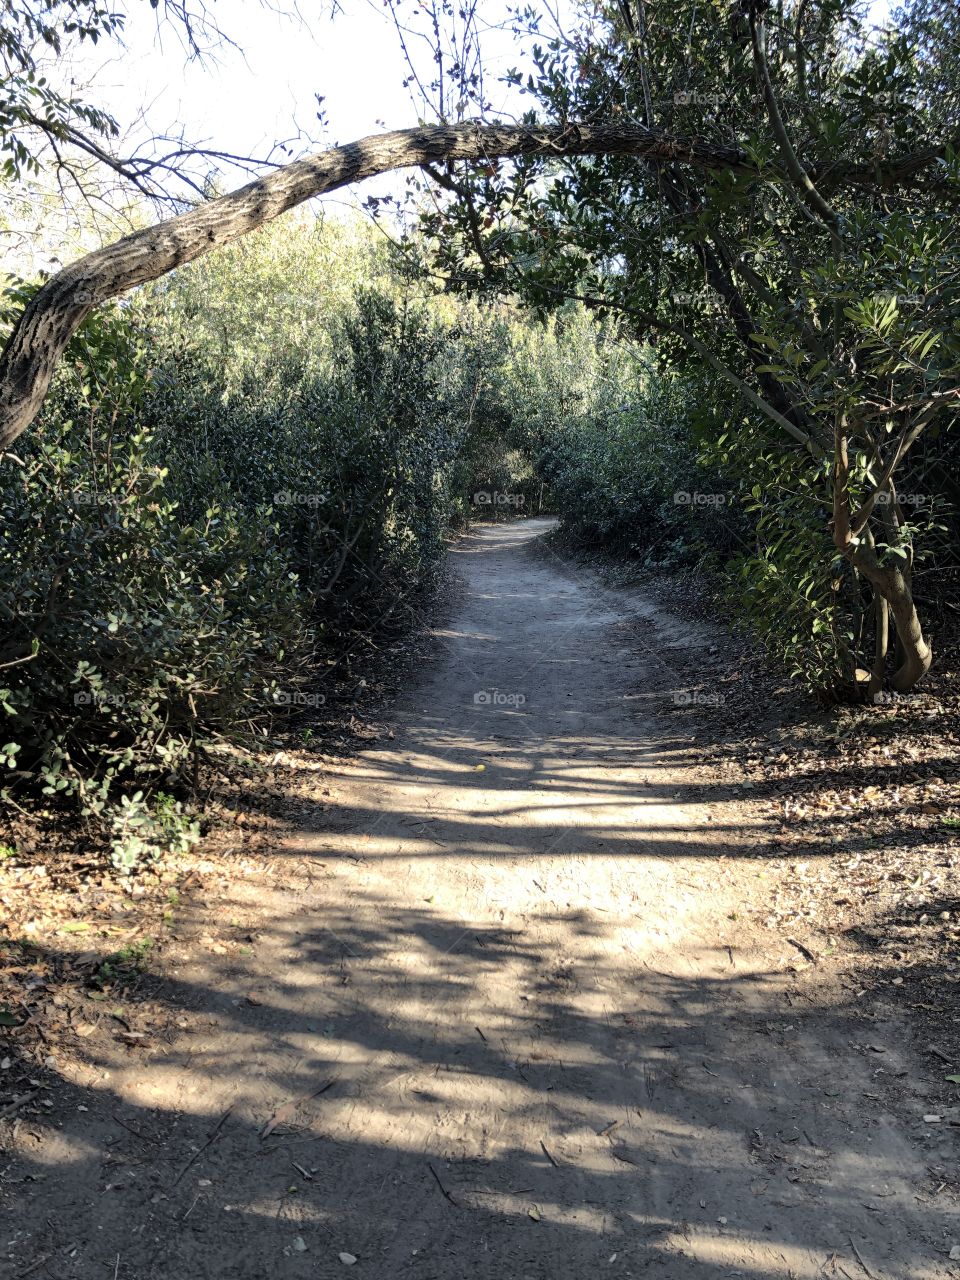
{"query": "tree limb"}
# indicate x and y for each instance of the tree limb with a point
(52, 317)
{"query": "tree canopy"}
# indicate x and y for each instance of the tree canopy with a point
(767, 193)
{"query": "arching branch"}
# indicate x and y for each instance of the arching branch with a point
(52, 317)
(36, 344)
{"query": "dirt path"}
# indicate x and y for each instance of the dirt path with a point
(555, 1049)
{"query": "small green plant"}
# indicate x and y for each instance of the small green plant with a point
(142, 834)
(125, 965)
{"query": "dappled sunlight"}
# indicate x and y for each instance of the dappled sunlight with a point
(551, 1087)
(499, 993)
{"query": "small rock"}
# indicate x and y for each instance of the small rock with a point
(932, 1119)
(955, 1253)
(300, 1245)
(347, 1259)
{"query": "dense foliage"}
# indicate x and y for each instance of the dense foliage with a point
(242, 483)
(243, 480)
(812, 294)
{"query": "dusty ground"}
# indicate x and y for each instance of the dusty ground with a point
(503, 1008)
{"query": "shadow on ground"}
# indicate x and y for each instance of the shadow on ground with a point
(498, 1014)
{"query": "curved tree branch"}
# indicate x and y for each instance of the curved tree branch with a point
(34, 347)
(795, 169)
(54, 314)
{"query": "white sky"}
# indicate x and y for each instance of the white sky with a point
(245, 100)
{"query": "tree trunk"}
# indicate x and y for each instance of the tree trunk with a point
(890, 583)
(48, 323)
(893, 586)
(881, 622)
(916, 654)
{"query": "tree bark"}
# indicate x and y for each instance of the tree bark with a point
(891, 584)
(53, 316)
(48, 323)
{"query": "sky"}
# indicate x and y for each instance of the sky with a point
(247, 97)
(243, 100)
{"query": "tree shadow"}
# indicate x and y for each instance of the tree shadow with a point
(539, 1082)
(428, 1098)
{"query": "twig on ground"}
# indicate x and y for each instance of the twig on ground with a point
(853, 1245)
(17, 1103)
(136, 1132)
(804, 951)
(212, 1137)
(290, 1108)
(446, 1193)
(548, 1155)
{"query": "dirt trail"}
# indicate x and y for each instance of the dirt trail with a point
(555, 1048)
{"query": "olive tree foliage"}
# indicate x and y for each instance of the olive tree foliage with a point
(239, 490)
(612, 437)
(817, 287)
(771, 195)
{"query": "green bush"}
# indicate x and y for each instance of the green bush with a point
(240, 475)
(131, 633)
(616, 445)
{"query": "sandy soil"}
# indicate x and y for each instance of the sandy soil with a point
(500, 1013)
